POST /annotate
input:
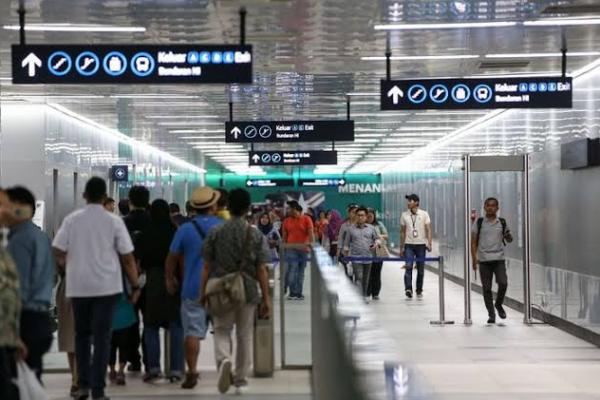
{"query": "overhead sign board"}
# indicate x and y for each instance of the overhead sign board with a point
(288, 131)
(127, 64)
(269, 182)
(119, 173)
(322, 182)
(278, 158)
(463, 94)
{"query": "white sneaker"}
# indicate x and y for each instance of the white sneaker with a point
(240, 390)
(366, 300)
(224, 380)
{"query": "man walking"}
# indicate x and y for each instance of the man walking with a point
(360, 241)
(489, 235)
(32, 253)
(89, 242)
(415, 241)
(298, 230)
(350, 220)
(233, 246)
(188, 241)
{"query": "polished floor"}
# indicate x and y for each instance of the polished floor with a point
(508, 360)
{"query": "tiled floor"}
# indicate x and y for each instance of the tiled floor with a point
(508, 360)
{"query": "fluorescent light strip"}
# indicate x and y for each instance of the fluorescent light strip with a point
(180, 116)
(361, 94)
(126, 139)
(452, 25)
(175, 131)
(185, 123)
(544, 55)
(153, 96)
(563, 22)
(417, 58)
(75, 28)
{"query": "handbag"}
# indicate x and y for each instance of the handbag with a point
(382, 251)
(226, 293)
(27, 383)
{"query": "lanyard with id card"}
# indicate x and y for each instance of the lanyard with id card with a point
(413, 218)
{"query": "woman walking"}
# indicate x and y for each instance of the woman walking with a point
(161, 308)
(375, 280)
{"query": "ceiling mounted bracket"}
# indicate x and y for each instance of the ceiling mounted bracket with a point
(243, 26)
(563, 50)
(388, 59)
(21, 12)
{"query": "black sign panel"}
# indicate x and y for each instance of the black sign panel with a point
(115, 64)
(309, 157)
(463, 94)
(322, 182)
(119, 173)
(288, 131)
(269, 182)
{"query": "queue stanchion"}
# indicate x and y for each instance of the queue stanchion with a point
(442, 298)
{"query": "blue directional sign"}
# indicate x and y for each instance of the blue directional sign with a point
(130, 64)
(484, 93)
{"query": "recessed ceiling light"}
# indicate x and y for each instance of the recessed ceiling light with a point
(416, 58)
(75, 28)
(452, 25)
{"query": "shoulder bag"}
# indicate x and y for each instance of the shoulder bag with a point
(226, 293)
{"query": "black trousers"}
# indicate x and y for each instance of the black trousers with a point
(134, 339)
(8, 371)
(119, 342)
(487, 270)
(37, 336)
(375, 280)
(93, 322)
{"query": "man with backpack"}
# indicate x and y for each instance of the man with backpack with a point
(188, 241)
(489, 235)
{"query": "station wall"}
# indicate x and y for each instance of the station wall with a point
(54, 153)
(565, 211)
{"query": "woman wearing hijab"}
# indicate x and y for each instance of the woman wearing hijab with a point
(161, 308)
(271, 234)
(333, 231)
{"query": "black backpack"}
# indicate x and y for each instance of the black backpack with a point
(480, 222)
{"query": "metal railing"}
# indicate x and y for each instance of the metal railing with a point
(352, 357)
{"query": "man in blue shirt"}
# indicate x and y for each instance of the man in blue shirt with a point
(32, 253)
(189, 241)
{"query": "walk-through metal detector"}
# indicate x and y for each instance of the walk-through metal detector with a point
(498, 164)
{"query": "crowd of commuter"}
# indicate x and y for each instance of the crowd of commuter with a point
(121, 279)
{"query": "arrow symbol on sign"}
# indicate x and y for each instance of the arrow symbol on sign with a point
(31, 61)
(342, 182)
(236, 132)
(255, 158)
(396, 94)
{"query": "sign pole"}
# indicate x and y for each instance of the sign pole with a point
(388, 59)
(243, 26)
(563, 50)
(467, 237)
(527, 319)
(22, 23)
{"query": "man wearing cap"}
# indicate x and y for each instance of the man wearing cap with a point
(297, 230)
(415, 241)
(188, 241)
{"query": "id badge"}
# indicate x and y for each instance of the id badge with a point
(415, 233)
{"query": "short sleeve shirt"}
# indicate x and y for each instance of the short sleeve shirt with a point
(223, 251)
(187, 241)
(490, 246)
(298, 229)
(93, 239)
(415, 223)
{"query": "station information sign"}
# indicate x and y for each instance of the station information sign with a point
(322, 182)
(463, 94)
(269, 182)
(277, 158)
(131, 64)
(288, 131)
(119, 173)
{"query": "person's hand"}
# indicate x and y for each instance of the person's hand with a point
(135, 295)
(401, 252)
(265, 309)
(429, 247)
(171, 287)
(475, 261)
(21, 350)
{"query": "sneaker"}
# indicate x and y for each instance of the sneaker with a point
(74, 390)
(241, 387)
(419, 295)
(112, 376)
(82, 394)
(366, 299)
(224, 380)
(501, 312)
(174, 379)
(151, 377)
(120, 380)
(408, 294)
(191, 380)
(135, 367)
(290, 297)
(300, 297)
(491, 320)
(376, 298)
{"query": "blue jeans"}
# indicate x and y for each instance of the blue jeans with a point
(93, 321)
(152, 340)
(296, 263)
(414, 251)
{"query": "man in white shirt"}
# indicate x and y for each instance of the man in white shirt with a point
(415, 241)
(92, 243)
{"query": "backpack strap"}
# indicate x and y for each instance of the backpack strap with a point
(479, 223)
(503, 222)
(199, 229)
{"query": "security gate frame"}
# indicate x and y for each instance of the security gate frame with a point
(518, 163)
